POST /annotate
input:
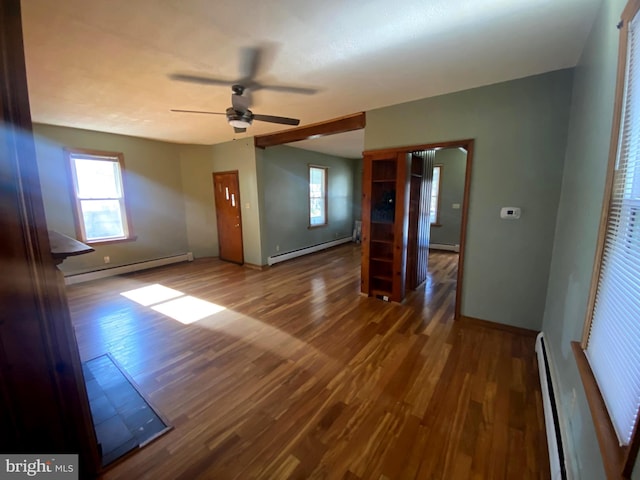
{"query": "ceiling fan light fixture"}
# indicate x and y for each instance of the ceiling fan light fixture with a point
(239, 123)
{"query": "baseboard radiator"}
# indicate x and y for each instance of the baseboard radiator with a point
(133, 267)
(551, 419)
(444, 246)
(305, 251)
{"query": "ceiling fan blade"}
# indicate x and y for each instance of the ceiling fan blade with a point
(254, 61)
(184, 77)
(250, 60)
(239, 130)
(274, 119)
(286, 89)
(197, 111)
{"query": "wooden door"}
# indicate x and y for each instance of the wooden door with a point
(229, 216)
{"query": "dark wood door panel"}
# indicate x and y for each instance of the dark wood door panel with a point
(43, 401)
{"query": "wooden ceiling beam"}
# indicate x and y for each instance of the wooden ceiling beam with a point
(315, 130)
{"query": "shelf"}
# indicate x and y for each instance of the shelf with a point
(385, 183)
(381, 259)
(63, 246)
(382, 277)
(378, 292)
(382, 170)
(382, 222)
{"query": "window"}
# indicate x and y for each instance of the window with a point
(317, 196)
(98, 193)
(434, 209)
(609, 355)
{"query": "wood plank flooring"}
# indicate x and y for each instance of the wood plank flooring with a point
(301, 377)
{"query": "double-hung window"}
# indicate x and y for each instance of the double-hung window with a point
(97, 186)
(609, 356)
(317, 196)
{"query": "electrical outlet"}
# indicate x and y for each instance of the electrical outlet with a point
(277, 248)
(107, 259)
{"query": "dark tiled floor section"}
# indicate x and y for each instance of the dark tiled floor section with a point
(122, 418)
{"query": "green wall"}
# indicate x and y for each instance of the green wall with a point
(454, 166)
(153, 192)
(197, 164)
(284, 184)
(520, 129)
(577, 229)
(197, 184)
(241, 155)
(357, 189)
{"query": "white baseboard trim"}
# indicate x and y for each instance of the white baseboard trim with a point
(557, 462)
(305, 251)
(133, 267)
(442, 246)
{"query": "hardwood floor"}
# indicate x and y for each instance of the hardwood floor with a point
(301, 377)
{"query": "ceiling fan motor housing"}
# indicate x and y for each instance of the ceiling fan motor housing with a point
(237, 89)
(239, 119)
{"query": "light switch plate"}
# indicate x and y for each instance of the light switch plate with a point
(510, 213)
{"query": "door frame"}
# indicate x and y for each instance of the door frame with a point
(37, 336)
(215, 205)
(468, 145)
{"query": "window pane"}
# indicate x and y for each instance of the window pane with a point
(435, 192)
(317, 196)
(102, 219)
(316, 215)
(317, 175)
(97, 178)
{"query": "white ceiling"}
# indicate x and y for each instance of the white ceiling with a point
(104, 64)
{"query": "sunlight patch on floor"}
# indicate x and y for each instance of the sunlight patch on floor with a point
(173, 303)
(188, 309)
(151, 294)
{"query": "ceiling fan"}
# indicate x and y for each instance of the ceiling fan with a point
(238, 115)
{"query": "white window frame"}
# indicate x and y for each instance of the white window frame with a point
(117, 158)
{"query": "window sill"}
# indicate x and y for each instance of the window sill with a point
(133, 238)
(311, 227)
(618, 461)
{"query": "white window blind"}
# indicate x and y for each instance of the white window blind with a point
(613, 347)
